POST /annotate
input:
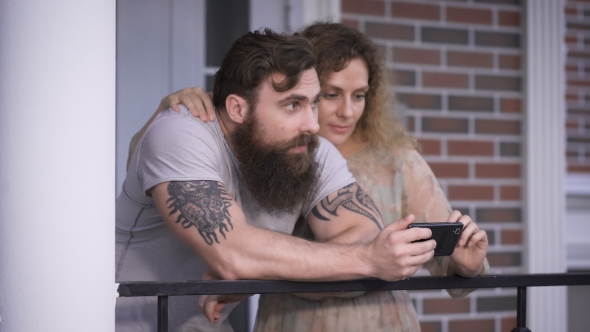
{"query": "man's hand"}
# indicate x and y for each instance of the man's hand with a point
(471, 248)
(212, 304)
(393, 255)
(196, 100)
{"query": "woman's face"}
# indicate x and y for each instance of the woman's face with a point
(343, 101)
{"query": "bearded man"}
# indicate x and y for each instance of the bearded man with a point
(222, 197)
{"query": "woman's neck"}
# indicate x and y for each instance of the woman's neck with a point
(352, 146)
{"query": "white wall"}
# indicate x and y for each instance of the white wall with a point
(57, 154)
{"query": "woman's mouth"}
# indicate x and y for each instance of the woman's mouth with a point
(339, 129)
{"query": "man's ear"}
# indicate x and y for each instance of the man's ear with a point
(237, 108)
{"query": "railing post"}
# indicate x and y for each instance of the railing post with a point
(162, 313)
(521, 311)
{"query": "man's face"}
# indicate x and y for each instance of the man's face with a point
(283, 116)
(277, 142)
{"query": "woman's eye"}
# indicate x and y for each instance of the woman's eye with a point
(359, 97)
(329, 95)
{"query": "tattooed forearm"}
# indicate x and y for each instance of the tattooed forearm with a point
(352, 198)
(203, 204)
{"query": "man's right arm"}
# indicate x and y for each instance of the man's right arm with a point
(207, 218)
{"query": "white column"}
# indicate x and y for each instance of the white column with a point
(545, 161)
(57, 165)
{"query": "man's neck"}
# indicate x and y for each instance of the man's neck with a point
(227, 128)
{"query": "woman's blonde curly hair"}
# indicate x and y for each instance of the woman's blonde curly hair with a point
(335, 45)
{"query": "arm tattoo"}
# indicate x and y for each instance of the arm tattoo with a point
(203, 204)
(363, 204)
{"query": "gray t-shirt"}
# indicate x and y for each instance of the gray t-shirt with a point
(179, 147)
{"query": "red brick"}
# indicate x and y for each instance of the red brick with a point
(402, 77)
(578, 168)
(509, 18)
(502, 127)
(578, 26)
(571, 69)
(414, 10)
(510, 105)
(479, 325)
(504, 259)
(430, 146)
(370, 7)
(509, 149)
(351, 23)
(571, 11)
(470, 148)
(445, 306)
(491, 171)
(510, 193)
(581, 83)
(581, 55)
(445, 80)
(389, 31)
(445, 125)
(571, 39)
(450, 170)
(498, 215)
(469, 15)
(571, 97)
(497, 39)
(470, 103)
(499, 83)
(420, 101)
(410, 123)
(416, 55)
(511, 236)
(476, 193)
(430, 326)
(509, 61)
(444, 35)
(508, 324)
(572, 125)
(470, 59)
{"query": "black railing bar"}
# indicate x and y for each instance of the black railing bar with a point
(146, 288)
(162, 313)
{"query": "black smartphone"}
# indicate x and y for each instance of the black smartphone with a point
(446, 235)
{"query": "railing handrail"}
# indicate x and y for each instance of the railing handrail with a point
(149, 288)
(211, 287)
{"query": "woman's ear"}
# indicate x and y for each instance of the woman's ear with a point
(237, 108)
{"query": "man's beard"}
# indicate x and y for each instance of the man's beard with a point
(278, 180)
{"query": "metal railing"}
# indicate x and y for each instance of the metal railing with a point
(165, 289)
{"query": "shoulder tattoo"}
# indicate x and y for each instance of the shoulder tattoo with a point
(353, 198)
(202, 204)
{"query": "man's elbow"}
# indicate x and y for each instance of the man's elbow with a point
(227, 269)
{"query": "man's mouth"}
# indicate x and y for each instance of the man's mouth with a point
(299, 149)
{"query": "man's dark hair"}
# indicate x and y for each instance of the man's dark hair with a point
(255, 56)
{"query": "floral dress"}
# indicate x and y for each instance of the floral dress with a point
(400, 183)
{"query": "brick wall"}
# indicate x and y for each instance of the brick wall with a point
(577, 39)
(456, 68)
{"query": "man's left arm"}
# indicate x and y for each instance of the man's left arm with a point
(346, 216)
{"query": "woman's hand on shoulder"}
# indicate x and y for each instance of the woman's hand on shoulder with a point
(196, 100)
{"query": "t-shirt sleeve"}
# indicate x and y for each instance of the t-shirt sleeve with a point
(177, 147)
(334, 173)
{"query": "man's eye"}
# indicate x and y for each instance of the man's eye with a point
(315, 103)
(292, 106)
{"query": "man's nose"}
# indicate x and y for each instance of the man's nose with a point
(310, 121)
